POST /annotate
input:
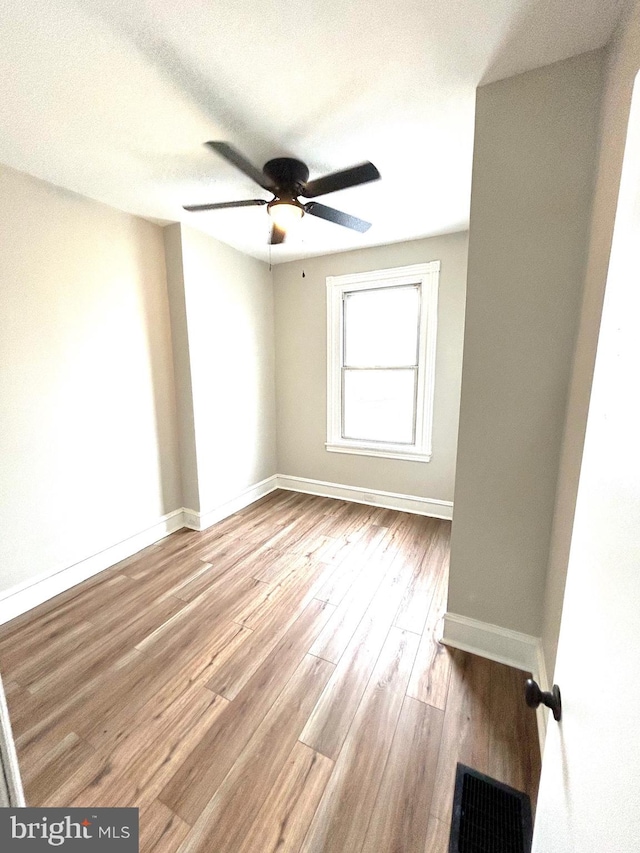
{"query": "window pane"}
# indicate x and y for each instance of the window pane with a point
(379, 405)
(381, 327)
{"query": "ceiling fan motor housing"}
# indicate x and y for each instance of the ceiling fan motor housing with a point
(287, 174)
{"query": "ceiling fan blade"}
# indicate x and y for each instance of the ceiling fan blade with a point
(361, 174)
(337, 216)
(236, 158)
(277, 235)
(221, 205)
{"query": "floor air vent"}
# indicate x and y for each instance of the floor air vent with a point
(488, 817)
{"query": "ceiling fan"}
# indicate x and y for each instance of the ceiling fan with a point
(287, 179)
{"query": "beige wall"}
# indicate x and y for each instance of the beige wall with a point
(301, 355)
(623, 62)
(88, 444)
(181, 366)
(224, 343)
(533, 174)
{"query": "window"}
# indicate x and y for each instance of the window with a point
(381, 335)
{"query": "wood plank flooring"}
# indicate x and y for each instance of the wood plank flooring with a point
(274, 683)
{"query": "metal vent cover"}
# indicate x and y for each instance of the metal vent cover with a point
(488, 816)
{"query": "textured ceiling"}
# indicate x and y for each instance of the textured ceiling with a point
(114, 98)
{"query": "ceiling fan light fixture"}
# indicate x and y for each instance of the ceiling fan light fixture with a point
(285, 212)
(288, 178)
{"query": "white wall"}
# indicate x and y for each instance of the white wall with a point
(301, 356)
(88, 445)
(588, 799)
(623, 61)
(224, 341)
(533, 173)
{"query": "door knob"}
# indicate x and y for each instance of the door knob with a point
(534, 697)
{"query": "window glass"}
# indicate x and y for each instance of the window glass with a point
(381, 327)
(379, 405)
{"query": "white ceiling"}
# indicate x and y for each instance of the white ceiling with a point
(114, 98)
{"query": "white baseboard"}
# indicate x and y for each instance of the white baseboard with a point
(521, 651)
(374, 497)
(17, 600)
(202, 520)
(23, 597)
(491, 641)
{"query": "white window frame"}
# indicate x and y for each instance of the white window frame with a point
(426, 277)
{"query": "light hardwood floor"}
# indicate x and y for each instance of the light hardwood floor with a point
(272, 684)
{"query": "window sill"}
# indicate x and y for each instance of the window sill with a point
(411, 455)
